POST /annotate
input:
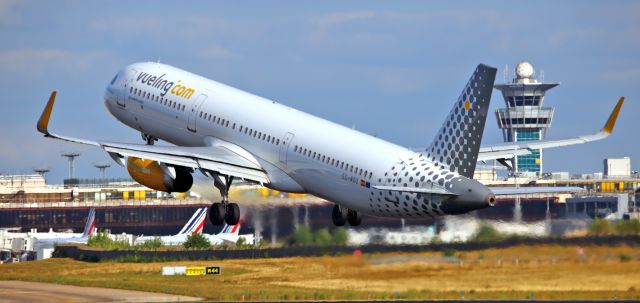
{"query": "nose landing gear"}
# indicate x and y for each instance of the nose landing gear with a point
(148, 139)
(341, 215)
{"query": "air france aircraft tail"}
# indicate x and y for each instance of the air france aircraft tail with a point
(195, 224)
(233, 230)
(457, 144)
(91, 223)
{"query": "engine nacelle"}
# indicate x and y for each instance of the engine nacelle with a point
(152, 174)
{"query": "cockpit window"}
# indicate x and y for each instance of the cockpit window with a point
(114, 79)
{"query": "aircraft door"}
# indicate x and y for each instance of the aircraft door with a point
(123, 92)
(284, 147)
(193, 112)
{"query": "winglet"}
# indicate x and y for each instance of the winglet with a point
(43, 122)
(611, 122)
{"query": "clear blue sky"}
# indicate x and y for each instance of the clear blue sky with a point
(390, 68)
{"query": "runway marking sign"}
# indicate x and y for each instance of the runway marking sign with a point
(213, 270)
(191, 270)
(195, 271)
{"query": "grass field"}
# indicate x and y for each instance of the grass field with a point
(546, 272)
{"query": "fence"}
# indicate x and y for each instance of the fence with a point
(92, 255)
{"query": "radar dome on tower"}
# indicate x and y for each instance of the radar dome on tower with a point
(524, 70)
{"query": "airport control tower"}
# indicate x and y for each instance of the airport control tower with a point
(524, 118)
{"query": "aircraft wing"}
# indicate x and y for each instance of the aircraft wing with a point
(212, 158)
(503, 191)
(511, 149)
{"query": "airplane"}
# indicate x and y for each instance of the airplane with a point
(229, 134)
(194, 225)
(89, 229)
(229, 234)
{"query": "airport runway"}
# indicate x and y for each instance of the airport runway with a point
(18, 291)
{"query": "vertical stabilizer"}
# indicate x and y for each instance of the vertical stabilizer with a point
(457, 143)
(195, 224)
(90, 224)
(230, 229)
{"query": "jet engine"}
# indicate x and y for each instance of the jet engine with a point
(159, 176)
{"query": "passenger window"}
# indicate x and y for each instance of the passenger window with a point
(240, 128)
(295, 149)
(234, 126)
(278, 142)
(226, 124)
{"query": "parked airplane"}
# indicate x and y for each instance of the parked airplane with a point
(89, 229)
(194, 225)
(227, 134)
(228, 235)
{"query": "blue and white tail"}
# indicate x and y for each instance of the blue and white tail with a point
(90, 224)
(195, 224)
(457, 144)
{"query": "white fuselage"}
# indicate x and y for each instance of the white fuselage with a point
(300, 152)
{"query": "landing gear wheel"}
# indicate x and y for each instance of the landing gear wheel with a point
(216, 214)
(354, 218)
(339, 215)
(232, 215)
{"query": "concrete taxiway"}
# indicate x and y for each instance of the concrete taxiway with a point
(18, 291)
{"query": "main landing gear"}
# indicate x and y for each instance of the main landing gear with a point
(341, 215)
(223, 211)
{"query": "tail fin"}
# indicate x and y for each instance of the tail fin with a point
(230, 229)
(195, 224)
(457, 143)
(90, 224)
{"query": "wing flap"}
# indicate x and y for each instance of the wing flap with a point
(502, 154)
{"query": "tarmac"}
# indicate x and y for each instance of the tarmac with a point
(19, 291)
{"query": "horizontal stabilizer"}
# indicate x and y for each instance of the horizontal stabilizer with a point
(503, 191)
(417, 190)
